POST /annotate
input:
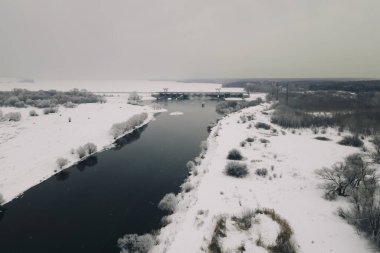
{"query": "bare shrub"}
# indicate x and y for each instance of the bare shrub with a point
(322, 138)
(365, 211)
(50, 110)
(33, 113)
(168, 203)
(250, 139)
(81, 152)
(133, 243)
(219, 232)
(234, 154)
(236, 169)
(376, 145)
(244, 221)
(284, 243)
(262, 125)
(262, 140)
(353, 141)
(62, 162)
(344, 177)
(261, 172)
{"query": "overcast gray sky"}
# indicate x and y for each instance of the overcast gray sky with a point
(129, 39)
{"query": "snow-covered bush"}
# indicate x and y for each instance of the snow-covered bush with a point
(262, 125)
(156, 106)
(13, 116)
(168, 203)
(70, 105)
(234, 154)
(33, 113)
(187, 186)
(166, 220)
(81, 152)
(204, 146)
(198, 160)
(263, 172)
(263, 140)
(50, 110)
(133, 243)
(62, 162)
(44, 99)
(90, 148)
(1, 199)
(190, 165)
(353, 141)
(236, 169)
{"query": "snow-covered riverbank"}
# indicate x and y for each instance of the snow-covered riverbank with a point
(290, 187)
(29, 148)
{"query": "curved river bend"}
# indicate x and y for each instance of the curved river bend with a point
(89, 206)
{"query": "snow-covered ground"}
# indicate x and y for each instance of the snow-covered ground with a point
(113, 85)
(291, 188)
(29, 148)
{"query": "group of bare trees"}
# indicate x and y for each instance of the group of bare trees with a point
(119, 129)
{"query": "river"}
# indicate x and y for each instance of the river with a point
(87, 207)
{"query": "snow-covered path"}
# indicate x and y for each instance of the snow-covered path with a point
(29, 148)
(290, 188)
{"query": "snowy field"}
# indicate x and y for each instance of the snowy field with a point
(29, 148)
(112, 85)
(291, 188)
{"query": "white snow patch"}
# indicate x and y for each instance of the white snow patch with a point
(176, 113)
(291, 189)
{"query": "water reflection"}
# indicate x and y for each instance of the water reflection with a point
(2, 212)
(62, 176)
(89, 162)
(129, 138)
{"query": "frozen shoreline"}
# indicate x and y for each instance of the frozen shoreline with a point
(291, 189)
(29, 148)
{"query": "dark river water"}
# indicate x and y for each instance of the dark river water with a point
(89, 206)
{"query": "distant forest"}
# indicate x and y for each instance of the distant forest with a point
(44, 99)
(266, 85)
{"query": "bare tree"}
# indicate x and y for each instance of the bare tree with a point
(90, 148)
(345, 177)
(62, 162)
